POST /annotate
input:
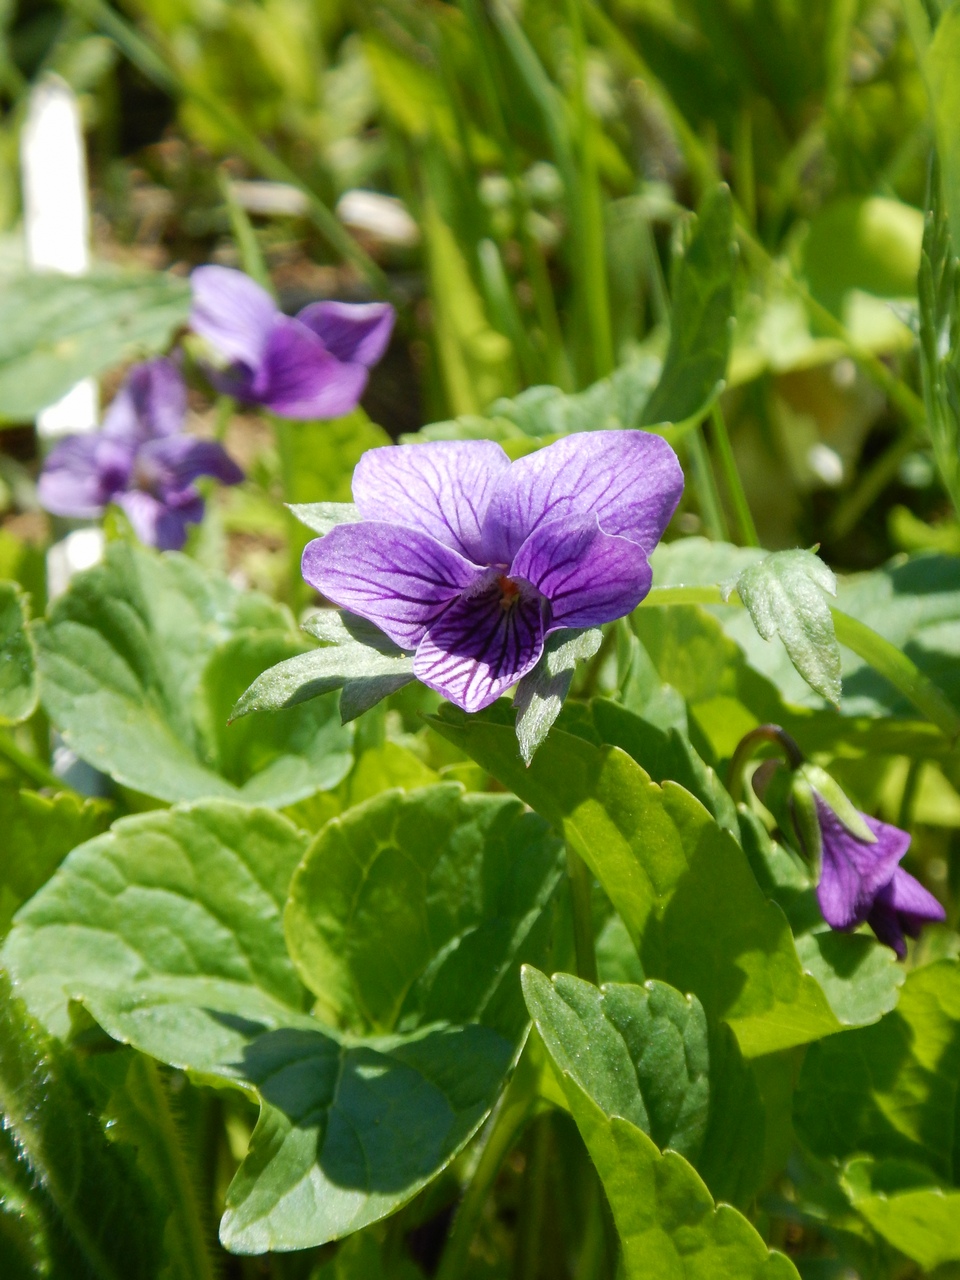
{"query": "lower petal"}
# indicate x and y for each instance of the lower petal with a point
(400, 579)
(158, 524)
(301, 379)
(479, 648)
(912, 902)
(589, 577)
(81, 475)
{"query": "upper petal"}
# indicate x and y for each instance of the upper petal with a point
(479, 647)
(152, 402)
(442, 487)
(233, 313)
(630, 480)
(82, 473)
(854, 872)
(299, 378)
(400, 579)
(354, 332)
(588, 576)
(179, 460)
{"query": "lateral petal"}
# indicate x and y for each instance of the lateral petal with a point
(299, 378)
(400, 579)
(357, 333)
(854, 872)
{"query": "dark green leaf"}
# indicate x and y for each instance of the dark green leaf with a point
(57, 329)
(903, 1204)
(784, 595)
(18, 658)
(355, 657)
(38, 832)
(419, 907)
(701, 321)
(141, 661)
(107, 1212)
(169, 930)
(542, 692)
(890, 1090)
(667, 1219)
(681, 884)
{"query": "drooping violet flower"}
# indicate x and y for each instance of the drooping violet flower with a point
(140, 459)
(313, 365)
(473, 561)
(860, 881)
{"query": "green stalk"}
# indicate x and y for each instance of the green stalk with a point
(581, 898)
(731, 475)
(503, 1130)
(251, 259)
(872, 483)
(593, 265)
(707, 495)
(30, 766)
(884, 657)
(147, 60)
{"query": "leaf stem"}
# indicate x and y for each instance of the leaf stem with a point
(503, 1129)
(579, 877)
(708, 496)
(731, 475)
(30, 766)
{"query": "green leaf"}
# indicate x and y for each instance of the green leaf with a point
(681, 884)
(903, 1204)
(784, 595)
(354, 657)
(541, 694)
(939, 63)
(860, 977)
(106, 1211)
(645, 1054)
(666, 1218)
(57, 329)
(141, 661)
(419, 907)
(890, 1090)
(18, 659)
(39, 832)
(321, 517)
(701, 320)
(169, 930)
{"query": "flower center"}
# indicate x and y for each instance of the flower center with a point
(509, 591)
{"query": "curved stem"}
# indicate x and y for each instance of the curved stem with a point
(503, 1130)
(764, 733)
(580, 894)
(30, 766)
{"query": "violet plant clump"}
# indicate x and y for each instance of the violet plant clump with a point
(142, 459)
(473, 561)
(312, 365)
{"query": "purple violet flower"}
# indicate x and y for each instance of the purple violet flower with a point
(314, 365)
(140, 459)
(473, 561)
(864, 882)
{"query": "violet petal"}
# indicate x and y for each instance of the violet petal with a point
(179, 460)
(442, 488)
(300, 379)
(588, 576)
(400, 579)
(852, 871)
(356, 333)
(232, 313)
(161, 524)
(903, 907)
(630, 481)
(151, 403)
(82, 474)
(480, 647)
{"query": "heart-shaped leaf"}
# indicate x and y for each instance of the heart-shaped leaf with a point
(18, 658)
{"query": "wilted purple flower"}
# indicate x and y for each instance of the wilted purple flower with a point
(314, 365)
(473, 561)
(140, 460)
(861, 882)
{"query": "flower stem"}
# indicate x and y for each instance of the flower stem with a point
(30, 766)
(707, 494)
(728, 464)
(580, 895)
(503, 1130)
(764, 733)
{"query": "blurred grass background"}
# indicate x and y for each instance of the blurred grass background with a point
(541, 160)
